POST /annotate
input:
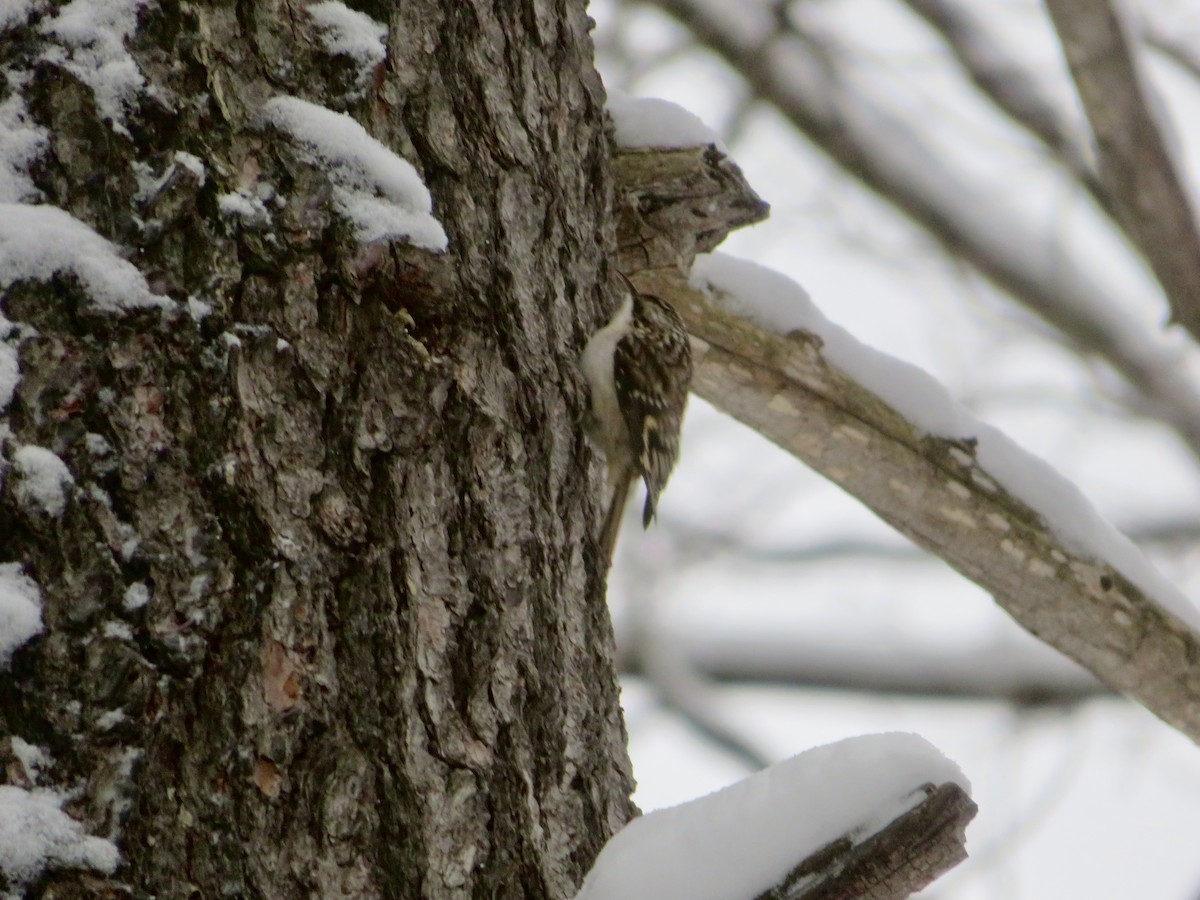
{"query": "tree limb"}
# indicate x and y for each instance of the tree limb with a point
(933, 490)
(678, 683)
(1000, 672)
(877, 816)
(908, 854)
(1010, 86)
(877, 150)
(1136, 167)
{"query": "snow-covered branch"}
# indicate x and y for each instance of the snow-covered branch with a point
(1079, 587)
(879, 816)
(1133, 140)
(888, 434)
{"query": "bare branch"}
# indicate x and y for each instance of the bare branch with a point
(878, 150)
(1136, 167)
(1170, 534)
(683, 689)
(678, 684)
(998, 672)
(1179, 48)
(1009, 85)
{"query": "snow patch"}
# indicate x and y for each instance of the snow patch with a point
(20, 611)
(193, 164)
(245, 206)
(36, 835)
(347, 32)
(744, 839)
(97, 445)
(42, 480)
(380, 194)
(651, 122)
(92, 35)
(776, 303)
(150, 185)
(198, 309)
(39, 242)
(33, 759)
(137, 595)
(14, 13)
(117, 630)
(10, 369)
(21, 142)
(110, 720)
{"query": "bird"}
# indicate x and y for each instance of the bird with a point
(638, 367)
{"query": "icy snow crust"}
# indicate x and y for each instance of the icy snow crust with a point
(743, 839)
(778, 304)
(379, 193)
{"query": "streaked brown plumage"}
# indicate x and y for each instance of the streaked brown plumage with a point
(639, 368)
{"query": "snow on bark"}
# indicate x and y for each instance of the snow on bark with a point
(36, 835)
(776, 303)
(746, 838)
(21, 142)
(20, 610)
(39, 242)
(136, 596)
(10, 369)
(193, 164)
(33, 759)
(91, 37)
(150, 185)
(377, 192)
(244, 207)
(651, 122)
(347, 32)
(15, 12)
(41, 480)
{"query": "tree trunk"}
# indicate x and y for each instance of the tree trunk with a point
(375, 660)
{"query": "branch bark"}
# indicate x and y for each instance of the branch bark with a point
(1136, 166)
(930, 489)
(907, 855)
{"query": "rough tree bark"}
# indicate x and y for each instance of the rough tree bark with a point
(376, 658)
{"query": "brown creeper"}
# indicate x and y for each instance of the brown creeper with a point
(638, 367)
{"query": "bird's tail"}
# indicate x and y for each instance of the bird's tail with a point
(616, 511)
